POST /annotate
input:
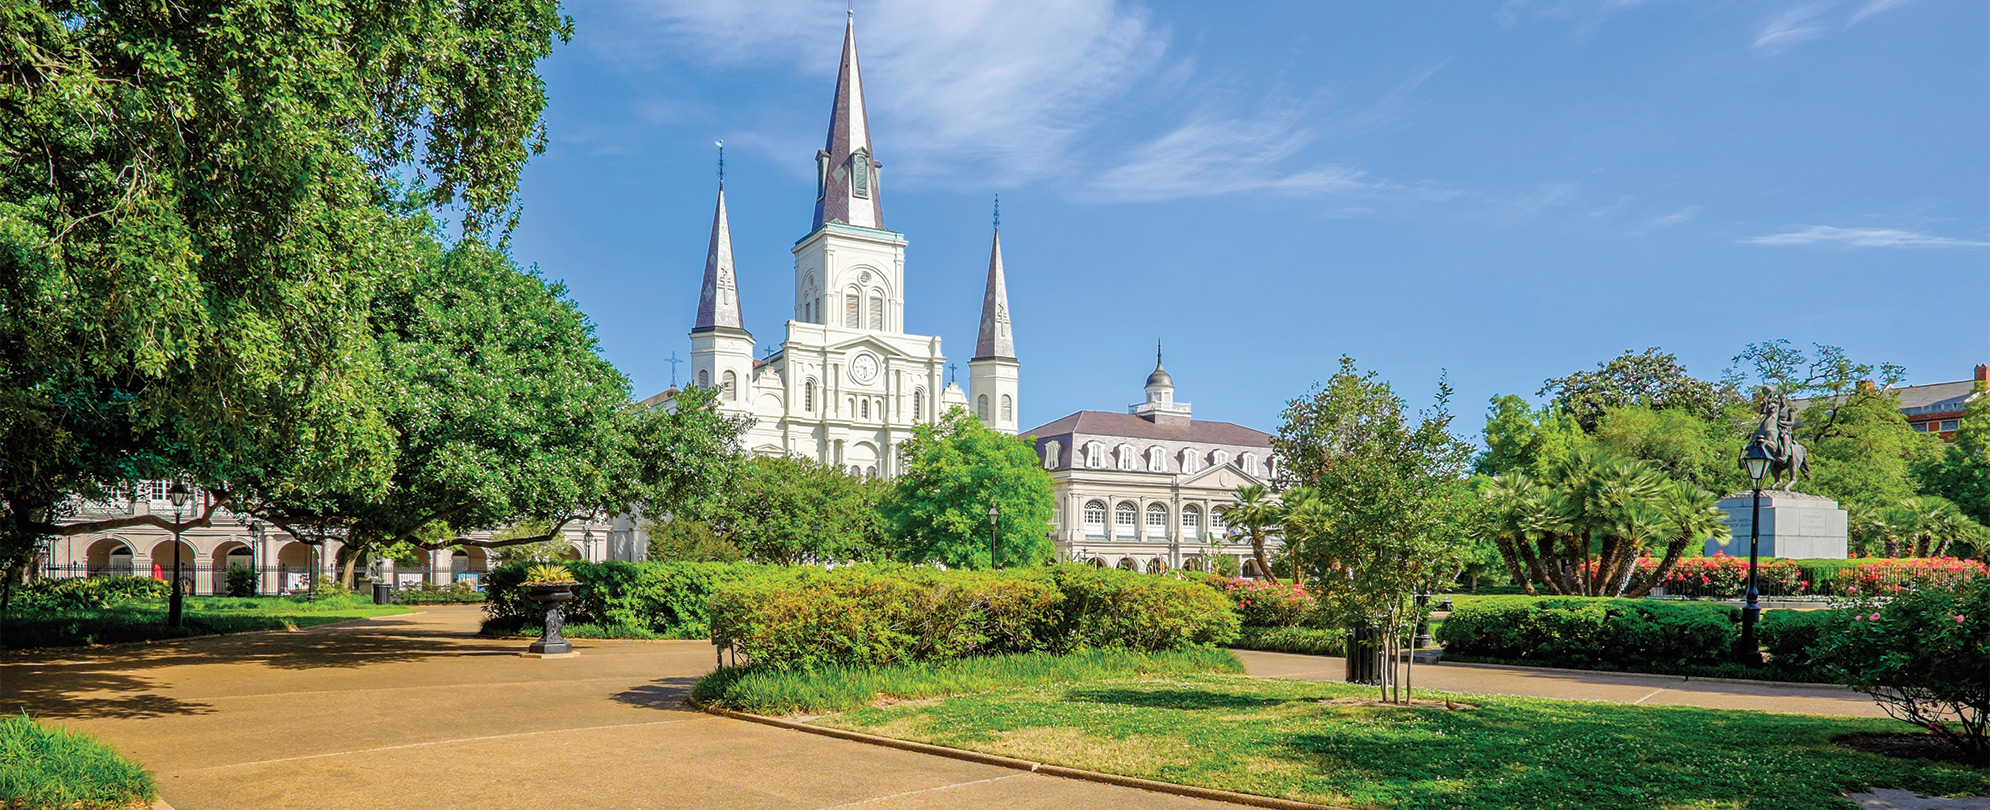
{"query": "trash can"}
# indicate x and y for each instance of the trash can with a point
(1364, 654)
(383, 593)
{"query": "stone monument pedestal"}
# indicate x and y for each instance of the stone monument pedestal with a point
(1795, 525)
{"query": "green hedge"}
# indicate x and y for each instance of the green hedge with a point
(1305, 640)
(806, 618)
(1587, 633)
(668, 599)
(1792, 637)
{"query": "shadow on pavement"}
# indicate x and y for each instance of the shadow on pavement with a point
(108, 682)
(668, 694)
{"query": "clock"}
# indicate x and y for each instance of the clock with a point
(864, 368)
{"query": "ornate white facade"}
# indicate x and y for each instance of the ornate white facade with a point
(848, 383)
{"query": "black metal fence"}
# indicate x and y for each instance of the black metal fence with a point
(208, 579)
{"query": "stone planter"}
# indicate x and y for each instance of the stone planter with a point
(551, 596)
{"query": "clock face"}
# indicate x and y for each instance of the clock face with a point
(864, 368)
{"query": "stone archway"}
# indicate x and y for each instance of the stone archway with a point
(108, 557)
(1155, 566)
(1127, 564)
(226, 555)
(293, 565)
(162, 564)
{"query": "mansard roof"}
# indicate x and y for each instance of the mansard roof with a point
(1128, 426)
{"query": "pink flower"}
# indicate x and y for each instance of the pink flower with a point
(1858, 618)
(1875, 617)
(1958, 619)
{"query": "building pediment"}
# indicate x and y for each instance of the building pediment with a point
(1225, 476)
(856, 344)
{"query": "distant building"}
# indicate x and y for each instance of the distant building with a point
(1148, 490)
(1934, 407)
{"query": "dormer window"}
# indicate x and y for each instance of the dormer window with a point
(860, 175)
(821, 174)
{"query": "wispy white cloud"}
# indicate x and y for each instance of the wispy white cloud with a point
(1796, 25)
(1222, 155)
(993, 89)
(1874, 7)
(1861, 237)
(1587, 15)
(1673, 218)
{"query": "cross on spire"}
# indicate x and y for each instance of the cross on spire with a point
(673, 361)
(722, 165)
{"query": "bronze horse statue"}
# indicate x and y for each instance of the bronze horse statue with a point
(1776, 435)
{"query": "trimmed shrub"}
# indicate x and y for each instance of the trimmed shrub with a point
(1590, 633)
(456, 594)
(88, 593)
(666, 599)
(241, 581)
(1304, 640)
(881, 615)
(1791, 638)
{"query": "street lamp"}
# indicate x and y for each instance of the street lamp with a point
(178, 495)
(587, 544)
(994, 513)
(1756, 459)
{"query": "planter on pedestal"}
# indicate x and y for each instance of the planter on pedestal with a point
(551, 595)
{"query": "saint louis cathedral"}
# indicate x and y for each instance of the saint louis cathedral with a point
(848, 383)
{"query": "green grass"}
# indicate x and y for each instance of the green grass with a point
(203, 615)
(833, 689)
(1275, 738)
(42, 767)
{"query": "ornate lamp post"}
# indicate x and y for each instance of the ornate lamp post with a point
(587, 545)
(1756, 458)
(994, 513)
(178, 495)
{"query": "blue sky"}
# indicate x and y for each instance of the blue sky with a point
(1499, 192)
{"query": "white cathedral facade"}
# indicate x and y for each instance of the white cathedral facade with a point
(847, 384)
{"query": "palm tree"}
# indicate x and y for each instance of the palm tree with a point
(1255, 512)
(1302, 517)
(1694, 516)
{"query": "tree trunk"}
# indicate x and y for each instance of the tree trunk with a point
(1257, 552)
(1892, 546)
(1511, 555)
(1665, 565)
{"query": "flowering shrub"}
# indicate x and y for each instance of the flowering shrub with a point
(1266, 604)
(1892, 576)
(1921, 653)
(1725, 577)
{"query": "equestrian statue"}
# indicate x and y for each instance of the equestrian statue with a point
(1778, 438)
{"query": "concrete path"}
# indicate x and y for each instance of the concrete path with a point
(1647, 690)
(414, 712)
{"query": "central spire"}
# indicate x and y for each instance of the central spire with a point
(846, 168)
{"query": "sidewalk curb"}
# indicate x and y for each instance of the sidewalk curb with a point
(1189, 791)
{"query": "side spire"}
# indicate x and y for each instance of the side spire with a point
(995, 340)
(846, 168)
(718, 297)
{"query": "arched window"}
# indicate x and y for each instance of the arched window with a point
(1050, 455)
(1157, 522)
(851, 305)
(1219, 458)
(856, 471)
(860, 175)
(1124, 456)
(1095, 455)
(866, 408)
(1157, 460)
(1008, 409)
(731, 387)
(1095, 517)
(981, 407)
(704, 378)
(870, 472)
(808, 396)
(1219, 521)
(1191, 460)
(1191, 522)
(918, 404)
(1249, 463)
(1126, 521)
(877, 310)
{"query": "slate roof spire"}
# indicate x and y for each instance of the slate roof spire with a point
(846, 168)
(995, 340)
(718, 297)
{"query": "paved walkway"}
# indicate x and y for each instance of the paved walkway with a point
(1647, 690)
(414, 712)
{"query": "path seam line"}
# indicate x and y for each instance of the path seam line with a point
(1640, 701)
(435, 742)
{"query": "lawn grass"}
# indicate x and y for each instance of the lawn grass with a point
(44, 767)
(835, 689)
(203, 615)
(1275, 738)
